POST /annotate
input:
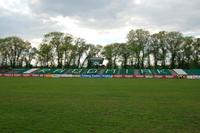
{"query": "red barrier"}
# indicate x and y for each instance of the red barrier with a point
(114, 76)
(159, 76)
(17, 75)
(127, 76)
(7, 75)
(27, 75)
(149, 76)
(170, 76)
(138, 76)
(35, 75)
(117, 76)
(41, 75)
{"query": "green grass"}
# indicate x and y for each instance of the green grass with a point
(36, 105)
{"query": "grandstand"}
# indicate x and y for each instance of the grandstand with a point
(49, 71)
(192, 71)
(180, 72)
(96, 72)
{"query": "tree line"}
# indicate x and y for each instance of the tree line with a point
(141, 50)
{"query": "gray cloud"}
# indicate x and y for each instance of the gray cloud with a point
(101, 15)
(26, 26)
(180, 15)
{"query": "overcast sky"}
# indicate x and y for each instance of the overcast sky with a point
(97, 21)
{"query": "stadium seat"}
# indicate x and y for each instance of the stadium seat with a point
(192, 71)
(146, 72)
(127, 71)
(30, 71)
(161, 72)
(110, 71)
(5, 71)
(50, 71)
(19, 70)
(180, 72)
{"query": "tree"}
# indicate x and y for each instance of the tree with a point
(67, 47)
(27, 55)
(30, 55)
(45, 55)
(81, 47)
(196, 53)
(110, 52)
(175, 41)
(124, 53)
(162, 38)
(56, 40)
(93, 51)
(184, 55)
(15, 48)
(163, 49)
(138, 40)
(3, 53)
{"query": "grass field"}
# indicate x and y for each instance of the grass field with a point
(36, 105)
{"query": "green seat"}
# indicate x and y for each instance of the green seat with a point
(50, 71)
(92, 71)
(192, 71)
(58, 71)
(75, 71)
(110, 71)
(19, 70)
(127, 71)
(161, 72)
(146, 72)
